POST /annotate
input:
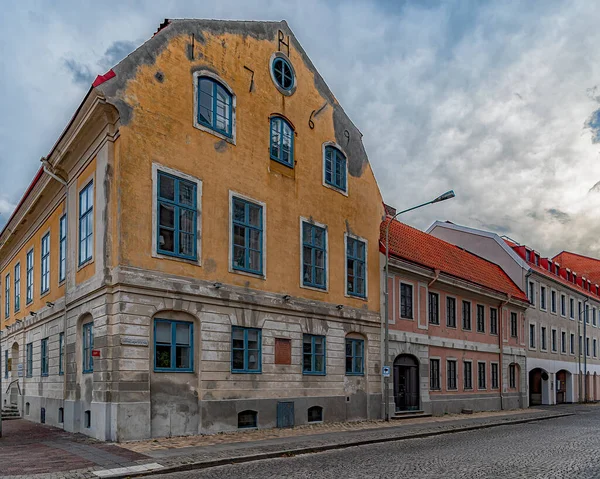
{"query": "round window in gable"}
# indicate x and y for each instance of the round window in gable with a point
(283, 74)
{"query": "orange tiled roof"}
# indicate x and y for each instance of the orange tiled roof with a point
(421, 248)
(583, 265)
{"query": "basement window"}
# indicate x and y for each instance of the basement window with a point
(247, 419)
(315, 414)
(88, 419)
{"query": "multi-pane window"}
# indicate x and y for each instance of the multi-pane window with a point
(553, 340)
(17, 287)
(468, 375)
(335, 168)
(512, 376)
(553, 301)
(246, 350)
(587, 314)
(247, 224)
(44, 357)
(7, 296)
(406, 301)
(532, 292)
(282, 142)
(177, 216)
(563, 342)
(587, 346)
(173, 346)
(514, 326)
(532, 335)
(494, 372)
(480, 318)
(45, 267)
(481, 381)
(572, 344)
(466, 315)
(314, 252)
(594, 316)
(61, 353)
(542, 297)
(595, 348)
(29, 277)
(355, 267)
(62, 249)
(355, 356)
(580, 345)
(88, 346)
(579, 310)
(434, 374)
(451, 374)
(29, 359)
(6, 364)
(283, 73)
(434, 310)
(543, 337)
(86, 223)
(563, 305)
(451, 312)
(571, 308)
(214, 106)
(493, 321)
(313, 354)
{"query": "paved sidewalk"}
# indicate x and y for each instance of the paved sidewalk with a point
(82, 457)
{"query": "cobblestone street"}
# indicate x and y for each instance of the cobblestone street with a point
(565, 447)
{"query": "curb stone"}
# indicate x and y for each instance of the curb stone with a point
(330, 447)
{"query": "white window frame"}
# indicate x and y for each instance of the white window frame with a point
(543, 291)
(553, 333)
(325, 184)
(89, 179)
(439, 295)
(571, 310)
(491, 376)
(535, 339)
(414, 310)
(543, 338)
(456, 375)
(463, 372)
(49, 235)
(486, 376)
(156, 167)
(366, 242)
(563, 297)
(440, 375)
(553, 304)
(566, 334)
(461, 315)
(327, 275)
(263, 205)
(572, 343)
(456, 318)
(531, 293)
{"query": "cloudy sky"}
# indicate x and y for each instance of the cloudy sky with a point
(497, 100)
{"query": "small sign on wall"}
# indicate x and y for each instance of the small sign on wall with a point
(95, 353)
(283, 351)
(385, 371)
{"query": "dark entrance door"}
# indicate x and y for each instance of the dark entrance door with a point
(561, 387)
(406, 383)
(535, 387)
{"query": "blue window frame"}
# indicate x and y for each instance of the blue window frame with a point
(355, 357)
(283, 73)
(314, 251)
(44, 358)
(6, 364)
(61, 353)
(45, 266)
(314, 356)
(29, 278)
(246, 350)
(177, 216)
(88, 346)
(247, 244)
(282, 142)
(62, 249)
(29, 351)
(355, 267)
(335, 168)
(215, 106)
(173, 346)
(17, 285)
(7, 296)
(86, 223)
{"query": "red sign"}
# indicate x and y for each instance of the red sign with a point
(95, 353)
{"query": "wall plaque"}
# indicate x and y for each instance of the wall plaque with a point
(127, 341)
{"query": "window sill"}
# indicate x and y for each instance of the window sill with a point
(248, 273)
(44, 375)
(281, 162)
(433, 324)
(356, 296)
(210, 130)
(44, 293)
(314, 288)
(87, 372)
(406, 317)
(239, 371)
(87, 262)
(308, 373)
(170, 370)
(335, 188)
(174, 257)
(354, 374)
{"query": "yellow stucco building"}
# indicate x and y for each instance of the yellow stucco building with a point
(205, 239)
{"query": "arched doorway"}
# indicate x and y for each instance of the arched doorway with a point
(538, 387)
(14, 361)
(564, 387)
(406, 383)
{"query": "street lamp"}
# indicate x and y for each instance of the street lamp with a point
(446, 196)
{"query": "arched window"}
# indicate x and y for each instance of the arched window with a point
(282, 142)
(315, 414)
(335, 168)
(247, 419)
(214, 106)
(283, 73)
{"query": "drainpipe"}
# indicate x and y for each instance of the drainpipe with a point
(435, 278)
(500, 344)
(47, 169)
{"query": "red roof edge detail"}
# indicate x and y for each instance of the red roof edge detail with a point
(100, 79)
(38, 175)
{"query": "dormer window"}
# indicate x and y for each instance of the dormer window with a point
(569, 276)
(537, 259)
(528, 255)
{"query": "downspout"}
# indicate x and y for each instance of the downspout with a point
(500, 344)
(435, 278)
(64, 343)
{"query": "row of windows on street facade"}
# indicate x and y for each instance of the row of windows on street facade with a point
(86, 206)
(563, 341)
(406, 312)
(452, 375)
(174, 351)
(554, 304)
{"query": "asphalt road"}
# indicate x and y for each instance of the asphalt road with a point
(558, 448)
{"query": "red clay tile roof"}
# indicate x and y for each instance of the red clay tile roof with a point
(582, 265)
(421, 248)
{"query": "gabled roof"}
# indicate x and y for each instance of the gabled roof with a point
(584, 265)
(426, 250)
